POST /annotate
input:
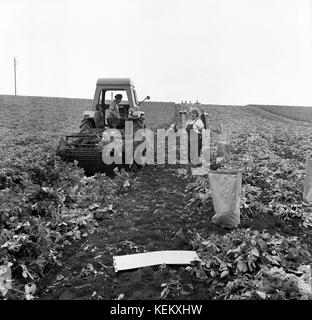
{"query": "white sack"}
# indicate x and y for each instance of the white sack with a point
(226, 189)
(223, 147)
(307, 191)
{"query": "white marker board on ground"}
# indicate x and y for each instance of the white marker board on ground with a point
(147, 259)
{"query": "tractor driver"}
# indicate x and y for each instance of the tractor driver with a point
(112, 113)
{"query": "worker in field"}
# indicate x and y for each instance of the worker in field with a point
(194, 127)
(112, 115)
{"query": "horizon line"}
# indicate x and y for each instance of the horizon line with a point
(178, 103)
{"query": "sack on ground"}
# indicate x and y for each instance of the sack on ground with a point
(307, 191)
(226, 189)
(223, 151)
(223, 147)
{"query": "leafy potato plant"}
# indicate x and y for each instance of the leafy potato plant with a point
(45, 205)
(245, 264)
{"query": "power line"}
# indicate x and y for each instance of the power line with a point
(15, 62)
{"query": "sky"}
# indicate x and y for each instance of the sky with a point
(215, 51)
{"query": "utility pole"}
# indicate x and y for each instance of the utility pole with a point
(15, 76)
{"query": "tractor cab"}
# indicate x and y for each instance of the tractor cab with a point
(106, 90)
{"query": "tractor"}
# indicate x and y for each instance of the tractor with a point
(85, 146)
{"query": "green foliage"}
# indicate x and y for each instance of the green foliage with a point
(272, 160)
(245, 264)
(45, 205)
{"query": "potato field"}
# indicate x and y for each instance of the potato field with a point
(60, 229)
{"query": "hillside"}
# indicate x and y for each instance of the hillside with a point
(296, 113)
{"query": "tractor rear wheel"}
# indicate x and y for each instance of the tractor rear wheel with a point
(86, 125)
